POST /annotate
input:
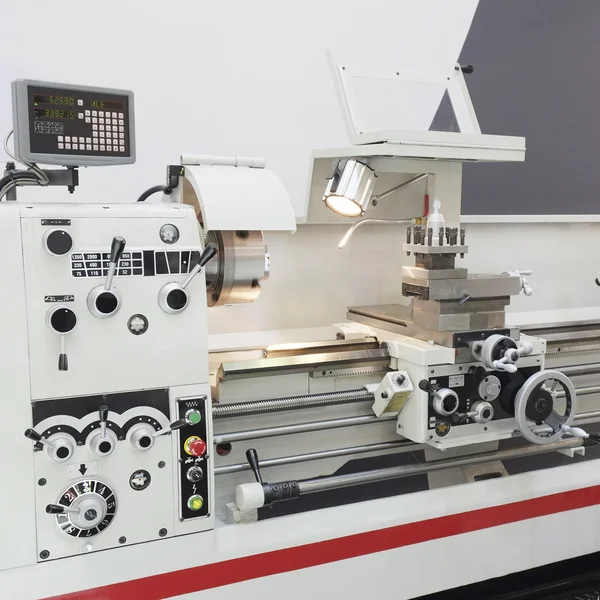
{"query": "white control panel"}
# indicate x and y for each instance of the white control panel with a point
(107, 375)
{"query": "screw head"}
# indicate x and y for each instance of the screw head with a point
(44, 554)
(42, 481)
(122, 539)
(162, 532)
(161, 464)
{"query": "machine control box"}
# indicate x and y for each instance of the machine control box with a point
(194, 456)
(72, 125)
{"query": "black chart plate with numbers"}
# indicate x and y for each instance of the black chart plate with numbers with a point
(79, 491)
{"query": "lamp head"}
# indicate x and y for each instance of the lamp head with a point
(350, 188)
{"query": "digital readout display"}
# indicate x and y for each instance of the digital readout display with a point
(56, 100)
(103, 104)
(54, 113)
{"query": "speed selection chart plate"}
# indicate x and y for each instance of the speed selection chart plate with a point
(96, 504)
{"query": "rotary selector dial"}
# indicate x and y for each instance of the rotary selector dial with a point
(57, 242)
(90, 506)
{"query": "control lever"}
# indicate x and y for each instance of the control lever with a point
(527, 289)
(445, 400)
(172, 427)
(252, 458)
(103, 412)
(250, 496)
(34, 436)
(59, 448)
(580, 433)
(116, 251)
(104, 301)
(172, 297)
(62, 320)
(57, 509)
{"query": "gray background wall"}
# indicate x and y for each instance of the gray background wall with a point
(537, 74)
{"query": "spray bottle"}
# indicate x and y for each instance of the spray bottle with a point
(435, 220)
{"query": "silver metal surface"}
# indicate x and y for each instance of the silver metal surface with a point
(310, 486)
(397, 318)
(281, 350)
(458, 322)
(241, 264)
(475, 286)
(402, 445)
(420, 273)
(426, 249)
(584, 391)
(574, 371)
(259, 407)
(267, 432)
(302, 364)
(474, 305)
(400, 186)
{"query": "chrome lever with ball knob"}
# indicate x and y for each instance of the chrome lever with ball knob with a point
(173, 297)
(103, 301)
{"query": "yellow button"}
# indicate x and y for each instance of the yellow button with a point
(195, 502)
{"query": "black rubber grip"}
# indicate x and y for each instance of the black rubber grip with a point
(210, 250)
(63, 362)
(103, 411)
(252, 458)
(116, 248)
(177, 424)
(31, 434)
(55, 509)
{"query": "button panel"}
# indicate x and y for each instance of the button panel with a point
(193, 466)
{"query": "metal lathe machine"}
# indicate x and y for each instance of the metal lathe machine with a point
(409, 449)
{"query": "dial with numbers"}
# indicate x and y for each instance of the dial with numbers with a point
(92, 506)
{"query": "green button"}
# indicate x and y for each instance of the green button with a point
(193, 417)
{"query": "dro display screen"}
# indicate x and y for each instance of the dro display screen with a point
(78, 122)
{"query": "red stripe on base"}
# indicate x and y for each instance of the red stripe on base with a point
(196, 579)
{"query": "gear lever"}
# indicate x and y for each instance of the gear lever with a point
(104, 301)
(172, 297)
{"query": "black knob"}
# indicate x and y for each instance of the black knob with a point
(55, 509)
(400, 379)
(58, 242)
(103, 412)
(177, 424)
(32, 434)
(116, 248)
(425, 386)
(252, 458)
(467, 69)
(207, 254)
(63, 320)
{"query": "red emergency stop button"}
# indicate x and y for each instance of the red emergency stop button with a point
(195, 446)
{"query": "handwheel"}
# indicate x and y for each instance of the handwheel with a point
(534, 405)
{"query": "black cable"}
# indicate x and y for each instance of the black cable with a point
(15, 175)
(165, 189)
